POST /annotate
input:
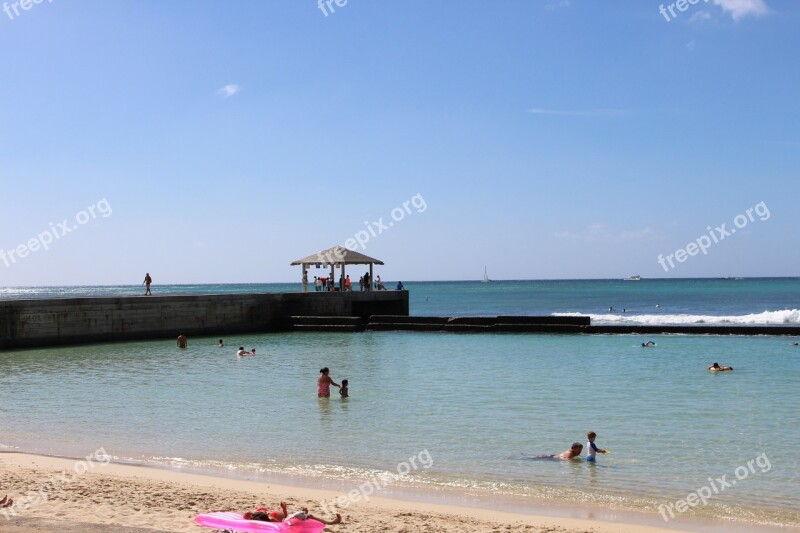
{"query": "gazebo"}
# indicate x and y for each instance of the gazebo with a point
(336, 257)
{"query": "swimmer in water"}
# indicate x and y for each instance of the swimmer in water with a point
(717, 368)
(610, 309)
(241, 352)
(648, 344)
(573, 453)
(220, 344)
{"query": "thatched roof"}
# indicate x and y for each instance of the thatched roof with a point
(338, 255)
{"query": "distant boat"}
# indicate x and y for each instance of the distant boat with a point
(633, 278)
(485, 276)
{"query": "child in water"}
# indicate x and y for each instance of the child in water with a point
(343, 392)
(591, 447)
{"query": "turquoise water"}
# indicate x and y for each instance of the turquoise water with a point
(479, 404)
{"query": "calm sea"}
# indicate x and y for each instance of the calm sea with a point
(479, 404)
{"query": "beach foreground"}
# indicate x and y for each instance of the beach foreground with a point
(135, 499)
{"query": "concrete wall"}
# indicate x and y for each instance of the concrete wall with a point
(50, 322)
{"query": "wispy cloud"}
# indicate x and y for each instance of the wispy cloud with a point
(700, 15)
(578, 113)
(558, 4)
(228, 90)
(739, 9)
(601, 233)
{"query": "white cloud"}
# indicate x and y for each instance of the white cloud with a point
(742, 8)
(584, 113)
(229, 90)
(601, 233)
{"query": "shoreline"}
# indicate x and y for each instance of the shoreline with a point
(129, 495)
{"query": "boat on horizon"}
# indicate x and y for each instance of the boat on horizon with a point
(633, 278)
(485, 276)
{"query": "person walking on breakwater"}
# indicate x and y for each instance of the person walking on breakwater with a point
(183, 342)
(324, 384)
(147, 281)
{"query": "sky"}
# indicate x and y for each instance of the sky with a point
(214, 142)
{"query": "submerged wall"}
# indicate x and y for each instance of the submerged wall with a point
(51, 322)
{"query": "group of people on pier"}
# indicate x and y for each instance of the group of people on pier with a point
(365, 283)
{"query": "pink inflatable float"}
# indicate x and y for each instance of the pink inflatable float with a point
(236, 522)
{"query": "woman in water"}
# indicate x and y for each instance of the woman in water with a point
(324, 384)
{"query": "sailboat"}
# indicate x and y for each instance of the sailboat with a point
(485, 276)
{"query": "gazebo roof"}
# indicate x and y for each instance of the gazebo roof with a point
(338, 255)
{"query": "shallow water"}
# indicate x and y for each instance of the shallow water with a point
(477, 403)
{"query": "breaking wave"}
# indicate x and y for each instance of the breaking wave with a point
(789, 316)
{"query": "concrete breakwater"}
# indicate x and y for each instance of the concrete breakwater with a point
(61, 321)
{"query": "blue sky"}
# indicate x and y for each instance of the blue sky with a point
(548, 139)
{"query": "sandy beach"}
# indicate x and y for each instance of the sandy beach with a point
(127, 498)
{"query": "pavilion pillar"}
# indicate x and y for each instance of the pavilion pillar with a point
(370, 277)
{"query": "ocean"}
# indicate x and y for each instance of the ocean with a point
(479, 406)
